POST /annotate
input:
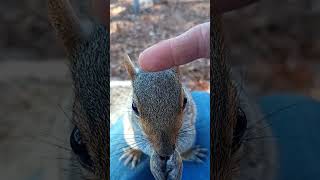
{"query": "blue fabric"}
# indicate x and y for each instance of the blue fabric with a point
(297, 133)
(191, 171)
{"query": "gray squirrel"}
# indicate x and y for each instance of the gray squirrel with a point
(161, 122)
(88, 54)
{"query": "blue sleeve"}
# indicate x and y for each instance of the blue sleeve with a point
(295, 121)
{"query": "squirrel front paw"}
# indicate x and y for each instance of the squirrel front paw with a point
(131, 156)
(195, 154)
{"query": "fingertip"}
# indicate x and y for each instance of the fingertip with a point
(142, 62)
(189, 46)
(156, 57)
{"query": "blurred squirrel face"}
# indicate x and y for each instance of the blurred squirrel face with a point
(159, 102)
(90, 116)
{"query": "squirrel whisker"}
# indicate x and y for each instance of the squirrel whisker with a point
(259, 138)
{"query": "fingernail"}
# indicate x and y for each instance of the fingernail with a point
(145, 62)
(142, 62)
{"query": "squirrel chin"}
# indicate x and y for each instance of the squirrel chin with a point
(170, 169)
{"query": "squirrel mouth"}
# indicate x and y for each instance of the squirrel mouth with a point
(163, 162)
(164, 158)
(166, 167)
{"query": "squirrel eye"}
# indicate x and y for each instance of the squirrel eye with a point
(135, 109)
(240, 129)
(185, 100)
(79, 148)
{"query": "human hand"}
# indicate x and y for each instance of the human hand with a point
(187, 47)
(179, 50)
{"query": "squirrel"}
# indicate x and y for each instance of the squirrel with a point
(161, 122)
(233, 122)
(239, 133)
(88, 54)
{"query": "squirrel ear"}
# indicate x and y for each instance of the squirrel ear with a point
(65, 22)
(128, 64)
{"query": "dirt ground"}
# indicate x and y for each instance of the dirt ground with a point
(277, 45)
(132, 33)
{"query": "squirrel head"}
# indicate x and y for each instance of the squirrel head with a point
(89, 65)
(158, 102)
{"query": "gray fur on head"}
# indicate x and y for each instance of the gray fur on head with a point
(156, 93)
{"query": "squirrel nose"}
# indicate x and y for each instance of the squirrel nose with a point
(164, 158)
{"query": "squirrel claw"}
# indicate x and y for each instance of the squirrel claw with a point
(196, 154)
(131, 156)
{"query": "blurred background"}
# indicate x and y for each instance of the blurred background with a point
(274, 43)
(36, 93)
